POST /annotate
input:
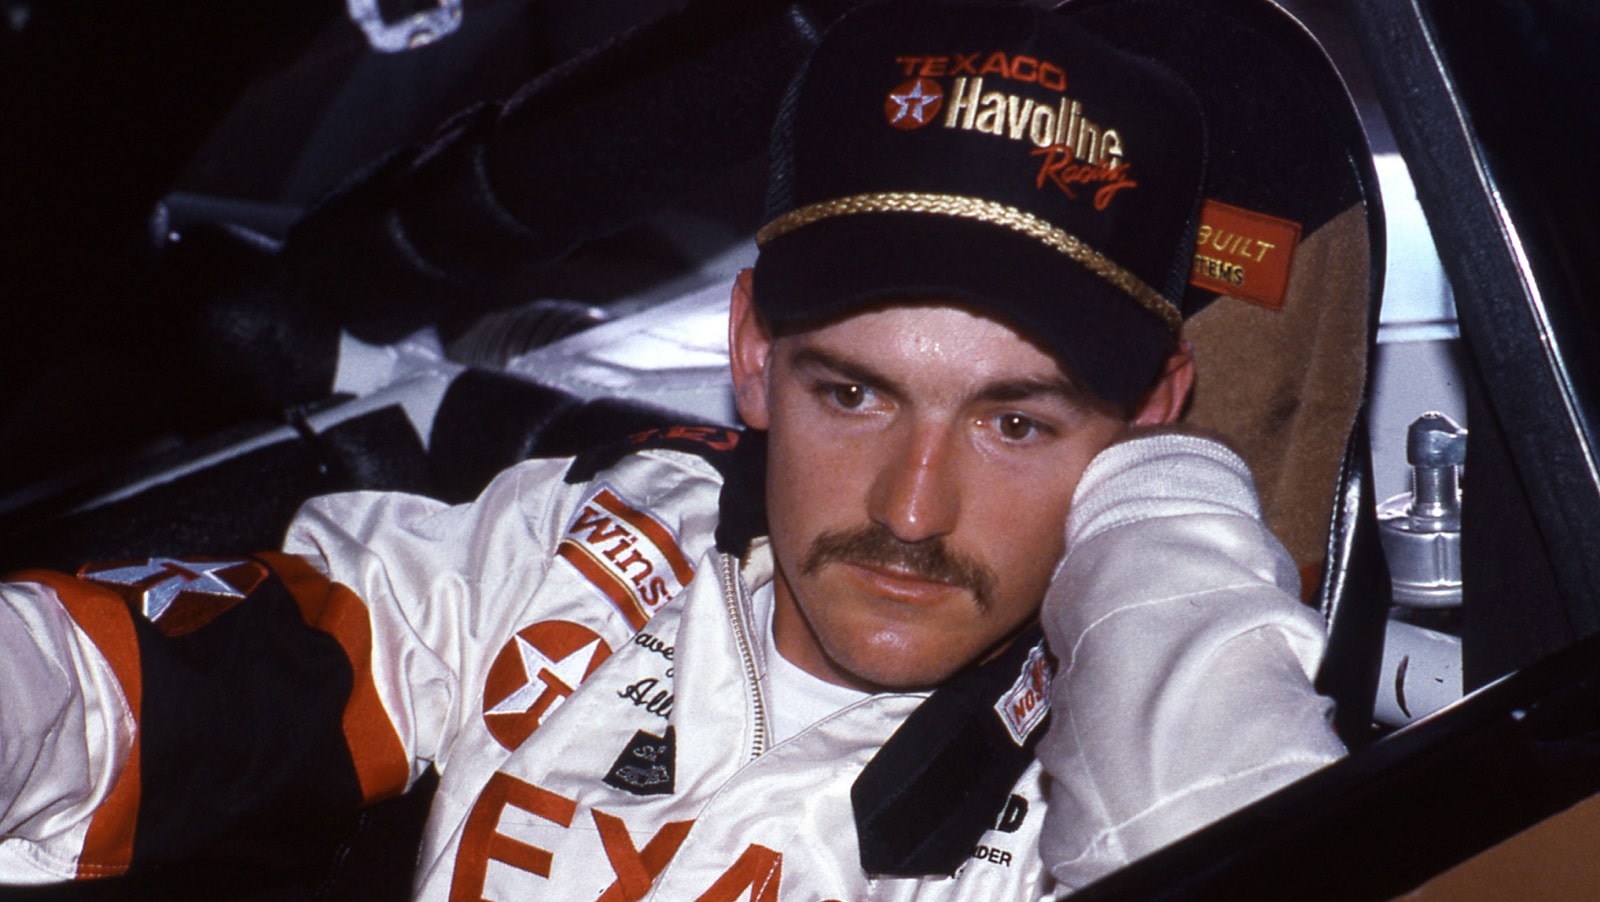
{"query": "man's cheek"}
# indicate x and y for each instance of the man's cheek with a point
(825, 485)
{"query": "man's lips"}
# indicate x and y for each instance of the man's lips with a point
(897, 584)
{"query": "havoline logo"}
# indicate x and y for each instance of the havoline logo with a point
(1040, 123)
(1016, 98)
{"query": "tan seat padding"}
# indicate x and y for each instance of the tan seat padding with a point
(1284, 387)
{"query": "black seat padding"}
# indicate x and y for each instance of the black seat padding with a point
(490, 420)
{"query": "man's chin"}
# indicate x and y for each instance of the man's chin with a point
(880, 672)
(915, 660)
(885, 644)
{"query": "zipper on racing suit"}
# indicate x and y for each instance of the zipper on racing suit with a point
(733, 593)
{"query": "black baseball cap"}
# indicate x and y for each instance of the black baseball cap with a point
(997, 156)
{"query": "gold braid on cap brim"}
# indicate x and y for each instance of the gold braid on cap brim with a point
(993, 213)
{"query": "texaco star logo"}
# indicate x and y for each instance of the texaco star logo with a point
(180, 596)
(534, 674)
(914, 103)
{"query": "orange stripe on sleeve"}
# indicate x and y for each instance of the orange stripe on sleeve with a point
(104, 617)
(615, 589)
(380, 759)
(681, 568)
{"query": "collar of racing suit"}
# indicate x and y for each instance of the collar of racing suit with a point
(946, 775)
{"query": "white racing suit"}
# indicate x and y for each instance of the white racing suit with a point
(574, 655)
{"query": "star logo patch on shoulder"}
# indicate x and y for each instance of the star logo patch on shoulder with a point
(179, 596)
(914, 103)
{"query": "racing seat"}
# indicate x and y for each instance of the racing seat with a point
(1289, 268)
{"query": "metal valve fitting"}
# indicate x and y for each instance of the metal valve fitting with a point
(1421, 529)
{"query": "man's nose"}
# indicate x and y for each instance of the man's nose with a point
(915, 494)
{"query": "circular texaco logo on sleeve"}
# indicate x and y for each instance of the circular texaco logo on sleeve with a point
(535, 673)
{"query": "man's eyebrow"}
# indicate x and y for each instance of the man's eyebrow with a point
(1027, 389)
(1057, 388)
(812, 357)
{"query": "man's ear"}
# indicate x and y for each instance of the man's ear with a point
(749, 355)
(1164, 402)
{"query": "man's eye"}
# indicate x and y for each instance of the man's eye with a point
(849, 396)
(1016, 427)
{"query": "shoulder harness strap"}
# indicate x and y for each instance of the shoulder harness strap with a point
(947, 775)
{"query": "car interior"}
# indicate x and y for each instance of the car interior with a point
(258, 254)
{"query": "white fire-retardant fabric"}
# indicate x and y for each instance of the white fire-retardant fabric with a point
(65, 729)
(741, 817)
(524, 681)
(539, 699)
(1182, 690)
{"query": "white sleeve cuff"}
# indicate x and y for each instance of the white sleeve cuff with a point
(1160, 475)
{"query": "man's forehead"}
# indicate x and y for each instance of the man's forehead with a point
(927, 332)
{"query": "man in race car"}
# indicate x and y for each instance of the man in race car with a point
(802, 661)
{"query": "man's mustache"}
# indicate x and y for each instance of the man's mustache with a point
(874, 545)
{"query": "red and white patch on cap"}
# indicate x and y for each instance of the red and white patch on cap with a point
(914, 103)
(1026, 703)
(629, 555)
